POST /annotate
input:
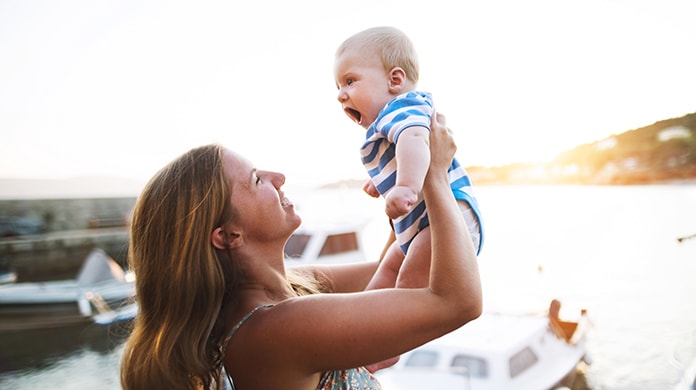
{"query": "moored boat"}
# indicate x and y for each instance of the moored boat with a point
(495, 351)
(61, 302)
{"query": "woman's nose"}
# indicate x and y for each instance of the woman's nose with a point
(278, 179)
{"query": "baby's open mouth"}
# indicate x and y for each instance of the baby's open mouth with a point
(353, 114)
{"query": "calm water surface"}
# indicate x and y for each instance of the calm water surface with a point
(610, 250)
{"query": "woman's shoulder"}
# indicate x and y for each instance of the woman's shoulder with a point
(241, 322)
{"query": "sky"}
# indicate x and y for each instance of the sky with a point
(120, 88)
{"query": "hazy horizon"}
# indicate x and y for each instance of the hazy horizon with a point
(74, 187)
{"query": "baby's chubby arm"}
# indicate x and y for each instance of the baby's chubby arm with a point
(412, 162)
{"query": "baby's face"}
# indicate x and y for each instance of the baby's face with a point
(363, 86)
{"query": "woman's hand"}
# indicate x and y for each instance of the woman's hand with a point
(442, 146)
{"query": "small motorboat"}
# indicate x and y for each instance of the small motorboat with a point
(495, 351)
(54, 303)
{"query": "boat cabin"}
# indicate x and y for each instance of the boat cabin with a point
(326, 244)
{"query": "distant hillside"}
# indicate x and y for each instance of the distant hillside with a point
(77, 187)
(662, 152)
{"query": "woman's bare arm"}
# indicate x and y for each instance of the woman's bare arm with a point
(343, 278)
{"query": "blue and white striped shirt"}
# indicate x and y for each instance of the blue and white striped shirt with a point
(378, 155)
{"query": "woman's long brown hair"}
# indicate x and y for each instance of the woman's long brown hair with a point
(180, 281)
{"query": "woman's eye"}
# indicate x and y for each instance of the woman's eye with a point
(258, 180)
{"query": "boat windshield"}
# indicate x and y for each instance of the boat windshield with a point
(475, 367)
(296, 244)
(340, 243)
(522, 361)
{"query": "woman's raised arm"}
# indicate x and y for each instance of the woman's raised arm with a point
(454, 269)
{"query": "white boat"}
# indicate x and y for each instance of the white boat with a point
(326, 243)
(100, 281)
(495, 351)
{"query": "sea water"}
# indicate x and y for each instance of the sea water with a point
(610, 250)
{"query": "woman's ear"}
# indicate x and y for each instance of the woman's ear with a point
(397, 80)
(222, 239)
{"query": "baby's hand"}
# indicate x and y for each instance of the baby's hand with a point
(399, 201)
(370, 189)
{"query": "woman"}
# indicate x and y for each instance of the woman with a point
(206, 245)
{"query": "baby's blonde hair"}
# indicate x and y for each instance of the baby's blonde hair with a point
(393, 47)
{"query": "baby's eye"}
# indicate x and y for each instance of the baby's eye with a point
(349, 81)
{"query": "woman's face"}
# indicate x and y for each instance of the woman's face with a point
(263, 212)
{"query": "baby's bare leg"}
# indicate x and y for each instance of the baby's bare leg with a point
(415, 270)
(385, 277)
(388, 270)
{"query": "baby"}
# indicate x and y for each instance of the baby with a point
(376, 72)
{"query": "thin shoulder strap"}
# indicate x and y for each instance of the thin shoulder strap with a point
(233, 331)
